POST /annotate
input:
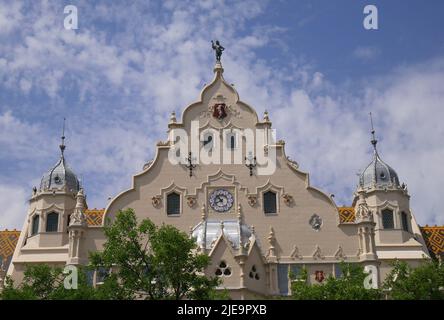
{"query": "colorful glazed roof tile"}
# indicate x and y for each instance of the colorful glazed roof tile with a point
(8, 241)
(94, 216)
(346, 214)
(434, 238)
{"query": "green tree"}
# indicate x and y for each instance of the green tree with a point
(44, 282)
(153, 262)
(424, 282)
(349, 286)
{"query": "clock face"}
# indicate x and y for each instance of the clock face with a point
(221, 200)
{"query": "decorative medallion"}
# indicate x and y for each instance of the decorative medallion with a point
(315, 222)
(319, 276)
(220, 111)
(191, 201)
(221, 200)
(155, 201)
(288, 199)
(252, 200)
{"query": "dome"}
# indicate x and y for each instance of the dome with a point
(209, 231)
(60, 177)
(378, 174)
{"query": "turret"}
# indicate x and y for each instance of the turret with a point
(389, 200)
(44, 236)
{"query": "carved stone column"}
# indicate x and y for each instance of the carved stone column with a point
(77, 227)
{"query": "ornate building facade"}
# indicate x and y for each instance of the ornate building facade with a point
(256, 227)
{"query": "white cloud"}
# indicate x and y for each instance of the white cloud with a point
(10, 16)
(366, 52)
(128, 80)
(13, 206)
(18, 139)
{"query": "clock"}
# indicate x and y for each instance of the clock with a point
(221, 200)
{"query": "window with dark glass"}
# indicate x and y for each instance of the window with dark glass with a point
(338, 271)
(405, 222)
(67, 222)
(90, 277)
(173, 203)
(269, 202)
(52, 222)
(387, 219)
(282, 272)
(101, 274)
(35, 225)
(295, 270)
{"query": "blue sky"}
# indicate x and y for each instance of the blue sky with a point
(310, 63)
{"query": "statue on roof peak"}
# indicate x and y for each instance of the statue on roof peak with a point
(218, 49)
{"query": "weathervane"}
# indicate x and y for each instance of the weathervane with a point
(218, 49)
(62, 146)
(373, 141)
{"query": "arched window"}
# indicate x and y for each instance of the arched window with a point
(35, 224)
(404, 221)
(270, 202)
(173, 204)
(52, 222)
(387, 219)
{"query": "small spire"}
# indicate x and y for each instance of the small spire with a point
(62, 145)
(373, 141)
(173, 117)
(266, 116)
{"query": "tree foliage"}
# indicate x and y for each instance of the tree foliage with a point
(424, 282)
(350, 286)
(44, 282)
(153, 262)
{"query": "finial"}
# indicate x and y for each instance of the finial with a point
(266, 117)
(373, 141)
(173, 117)
(62, 145)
